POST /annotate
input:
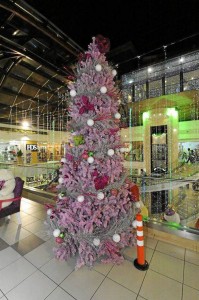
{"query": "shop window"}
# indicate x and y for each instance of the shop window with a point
(172, 84)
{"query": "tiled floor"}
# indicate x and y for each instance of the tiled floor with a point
(29, 271)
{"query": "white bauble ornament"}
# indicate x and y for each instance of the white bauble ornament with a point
(80, 198)
(96, 242)
(63, 160)
(73, 93)
(100, 196)
(98, 67)
(56, 232)
(49, 211)
(134, 224)
(117, 116)
(122, 150)
(103, 90)
(137, 204)
(90, 160)
(110, 152)
(90, 122)
(116, 238)
(114, 72)
(61, 180)
(60, 196)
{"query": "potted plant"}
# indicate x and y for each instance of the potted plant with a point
(19, 157)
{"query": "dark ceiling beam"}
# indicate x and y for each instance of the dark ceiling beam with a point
(24, 52)
(42, 73)
(7, 91)
(27, 81)
(22, 14)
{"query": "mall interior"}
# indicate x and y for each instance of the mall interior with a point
(159, 129)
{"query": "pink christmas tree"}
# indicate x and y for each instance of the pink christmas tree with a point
(93, 214)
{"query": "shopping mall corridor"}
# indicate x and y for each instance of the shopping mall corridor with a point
(29, 271)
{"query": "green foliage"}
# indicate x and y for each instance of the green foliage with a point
(19, 153)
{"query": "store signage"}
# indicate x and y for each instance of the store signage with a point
(31, 147)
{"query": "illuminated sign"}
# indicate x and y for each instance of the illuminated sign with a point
(31, 147)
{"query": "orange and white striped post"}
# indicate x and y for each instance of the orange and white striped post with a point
(140, 262)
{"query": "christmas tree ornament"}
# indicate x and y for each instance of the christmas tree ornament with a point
(116, 238)
(80, 198)
(96, 242)
(62, 235)
(114, 72)
(59, 240)
(122, 150)
(49, 211)
(98, 67)
(61, 195)
(61, 180)
(56, 232)
(137, 204)
(73, 93)
(111, 152)
(90, 153)
(85, 155)
(114, 192)
(117, 116)
(90, 122)
(103, 90)
(100, 196)
(134, 224)
(78, 140)
(90, 160)
(63, 160)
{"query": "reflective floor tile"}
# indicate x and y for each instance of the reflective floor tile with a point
(190, 293)
(156, 286)
(58, 270)
(192, 257)
(167, 265)
(83, 283)
(59, 294)
(35, 287)
(41, 255)
(112, 291)
(7, 256)
(15, 273)
(127, 275)
(170, 249)
(191, 275)
(3, 244)
(103, 268)
(27, 244)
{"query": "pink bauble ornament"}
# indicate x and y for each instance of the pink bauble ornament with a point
(84, 155)
(59, 240)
